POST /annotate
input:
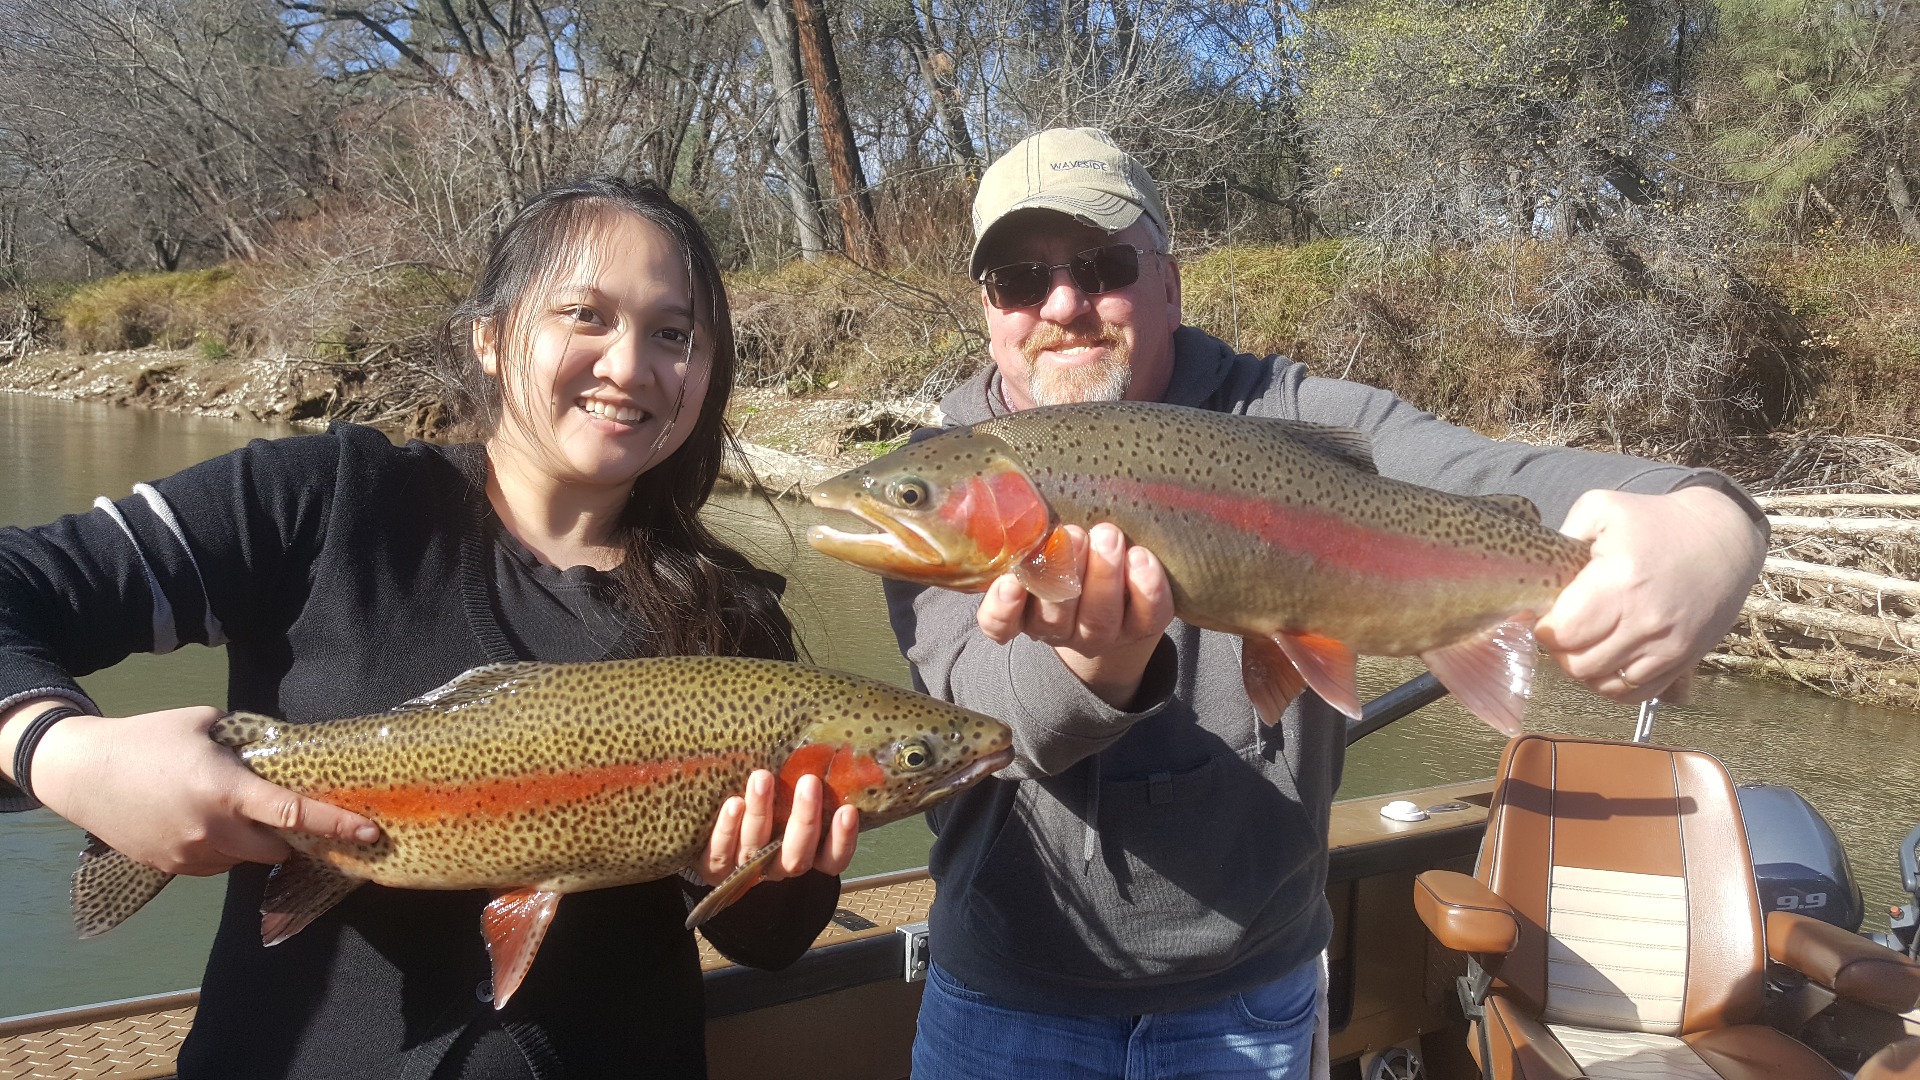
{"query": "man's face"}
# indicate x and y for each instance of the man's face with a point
(1072, 346)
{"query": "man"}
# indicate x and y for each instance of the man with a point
(1141, 893)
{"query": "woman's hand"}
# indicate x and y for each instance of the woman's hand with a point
(1108, 633)
(1666, 581)
(161, 792)
(809, 841)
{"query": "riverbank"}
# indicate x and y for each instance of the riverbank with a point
(1853, 631)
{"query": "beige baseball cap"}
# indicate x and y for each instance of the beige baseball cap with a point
(1076, 171)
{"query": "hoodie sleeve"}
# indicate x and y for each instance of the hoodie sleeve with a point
(206, 554)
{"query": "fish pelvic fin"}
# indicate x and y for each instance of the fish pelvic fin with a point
(1326, 665)
(299, 891)
(1491, 673)
(109, 886)
(515, 923)
(1270, 678)
(724, 894)
(475, 684)
(1048, 571)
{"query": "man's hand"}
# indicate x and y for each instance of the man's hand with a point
(809, 842)
(1665, 584)
(161, 792)
(1105, 635)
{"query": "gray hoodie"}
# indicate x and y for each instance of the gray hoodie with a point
(1154, 860)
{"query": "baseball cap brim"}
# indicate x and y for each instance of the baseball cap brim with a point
(1106, 212)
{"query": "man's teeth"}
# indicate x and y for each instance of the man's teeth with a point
(613, 412)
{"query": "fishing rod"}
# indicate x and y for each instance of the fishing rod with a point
(1415, 693)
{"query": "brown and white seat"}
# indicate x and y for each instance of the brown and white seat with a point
(1615, 929)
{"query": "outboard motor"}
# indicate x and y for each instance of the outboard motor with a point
(1798, 863)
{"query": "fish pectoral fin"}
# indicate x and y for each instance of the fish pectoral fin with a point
(1270, 678)
(108, 887)
(515, 923)
(1326, 665)
(1491, 673)
(475, 684)
(299, 891)
(724, 894)
(1049, 572)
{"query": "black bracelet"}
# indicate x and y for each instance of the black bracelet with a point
(30, 737)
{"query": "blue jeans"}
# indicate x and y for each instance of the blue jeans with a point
(1264, 1033)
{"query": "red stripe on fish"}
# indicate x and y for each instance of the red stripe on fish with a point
(510, 794)
(1329, 538)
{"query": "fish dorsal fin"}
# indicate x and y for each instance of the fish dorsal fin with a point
(299, 891)
(238, 729)
(1340, 443)
(475, 685)
(515, 923)
(1515, 505)
(736, 886)
(1490, 673)
(108, 887)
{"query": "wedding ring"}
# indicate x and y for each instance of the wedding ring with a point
(1621, 673)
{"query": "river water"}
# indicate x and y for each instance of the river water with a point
(1860, 766)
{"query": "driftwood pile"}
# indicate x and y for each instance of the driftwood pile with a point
(1837, 607)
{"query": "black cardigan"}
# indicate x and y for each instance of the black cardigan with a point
(346, 575)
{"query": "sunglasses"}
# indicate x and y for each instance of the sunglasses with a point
(1094, 271)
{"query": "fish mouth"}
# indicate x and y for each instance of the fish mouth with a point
(897, 544)
(965, 776)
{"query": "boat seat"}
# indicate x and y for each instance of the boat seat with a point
(1615, 932)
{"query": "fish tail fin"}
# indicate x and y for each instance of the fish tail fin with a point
(109, 886)
(1325, 665)
(1270, 678)
(724, 894)
(299, 891)
(515, 923)
(1049, 571)
(1491, 673)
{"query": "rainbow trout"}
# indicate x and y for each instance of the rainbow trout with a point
(1276, 530)
(539, 780)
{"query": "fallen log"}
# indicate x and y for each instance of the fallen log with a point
(1850, 500)
(1867, 630)
(1880, 528)
(1838, 575)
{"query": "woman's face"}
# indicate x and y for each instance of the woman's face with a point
(598, 380)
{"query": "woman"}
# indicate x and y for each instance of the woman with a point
(346, 575)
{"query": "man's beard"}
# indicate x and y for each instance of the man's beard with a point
(1106, 380)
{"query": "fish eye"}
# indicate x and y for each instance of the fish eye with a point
(909, 492)
(913, 756)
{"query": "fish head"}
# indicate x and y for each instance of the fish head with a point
(956, 510)
(892, 753)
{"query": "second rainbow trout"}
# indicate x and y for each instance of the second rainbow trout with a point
(1279, 531)
(537, 780)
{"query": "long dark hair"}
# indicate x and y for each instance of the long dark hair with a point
(688, 592)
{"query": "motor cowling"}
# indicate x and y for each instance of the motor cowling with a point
(1798, 863)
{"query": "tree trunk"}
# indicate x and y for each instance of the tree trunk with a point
(1900, 194)
(936, 66)
(773, 21)
(857, 231)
